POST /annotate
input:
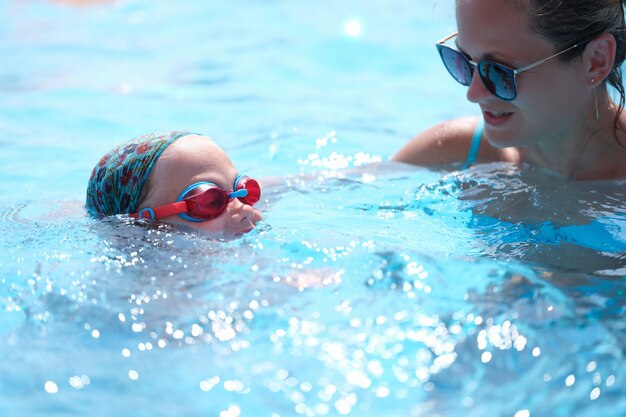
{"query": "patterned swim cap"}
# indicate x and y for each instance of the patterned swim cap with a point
(117, 180)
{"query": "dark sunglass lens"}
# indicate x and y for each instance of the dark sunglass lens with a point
(498, 79)
(253, 188)
(211, 203)
(457, 65)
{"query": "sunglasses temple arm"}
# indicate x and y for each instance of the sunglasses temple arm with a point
(161, 211)
(447, 38)
(534, 64)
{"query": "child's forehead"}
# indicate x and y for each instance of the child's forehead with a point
(195, 149)
(195, 143)
(194, 158)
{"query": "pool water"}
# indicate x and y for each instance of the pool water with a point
(370, 289)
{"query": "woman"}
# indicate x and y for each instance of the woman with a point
(540, 70)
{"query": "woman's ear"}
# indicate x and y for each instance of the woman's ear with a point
(599, 57)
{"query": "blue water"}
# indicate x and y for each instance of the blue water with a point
(370, 289)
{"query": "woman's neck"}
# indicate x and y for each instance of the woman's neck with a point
(589, 150)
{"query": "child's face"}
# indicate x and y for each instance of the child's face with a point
(189, 160)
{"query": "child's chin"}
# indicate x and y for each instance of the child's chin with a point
(230, 234)
(218, 234)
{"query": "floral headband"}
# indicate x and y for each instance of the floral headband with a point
(117, 181)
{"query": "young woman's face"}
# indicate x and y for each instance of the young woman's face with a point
(193, 159)
(551, 98)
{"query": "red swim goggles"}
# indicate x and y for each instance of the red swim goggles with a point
(204, 200)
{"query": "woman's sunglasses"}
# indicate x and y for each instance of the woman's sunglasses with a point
(204, 201)
(499, 79)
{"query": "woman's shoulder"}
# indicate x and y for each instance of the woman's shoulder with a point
(448, 142)
(444, 143)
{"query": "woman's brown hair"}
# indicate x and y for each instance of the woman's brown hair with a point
(567, 22)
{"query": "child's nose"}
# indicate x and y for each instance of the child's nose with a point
(240, 213)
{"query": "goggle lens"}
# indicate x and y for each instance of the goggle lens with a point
(253, 188)
(206, 202)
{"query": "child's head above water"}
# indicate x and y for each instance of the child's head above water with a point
(174, 178)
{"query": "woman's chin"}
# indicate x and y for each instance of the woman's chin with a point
(502, 139)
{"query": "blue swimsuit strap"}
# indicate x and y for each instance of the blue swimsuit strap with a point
(475, 145)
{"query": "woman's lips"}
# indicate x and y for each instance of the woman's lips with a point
(496, 118)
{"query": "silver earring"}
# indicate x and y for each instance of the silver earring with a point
(595, 95)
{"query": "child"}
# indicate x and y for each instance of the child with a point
(178, 177)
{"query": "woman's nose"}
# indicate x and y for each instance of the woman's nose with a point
(477, 91)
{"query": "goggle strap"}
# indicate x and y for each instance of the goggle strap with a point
(170, 209)
(162, 211)
(142, 212)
